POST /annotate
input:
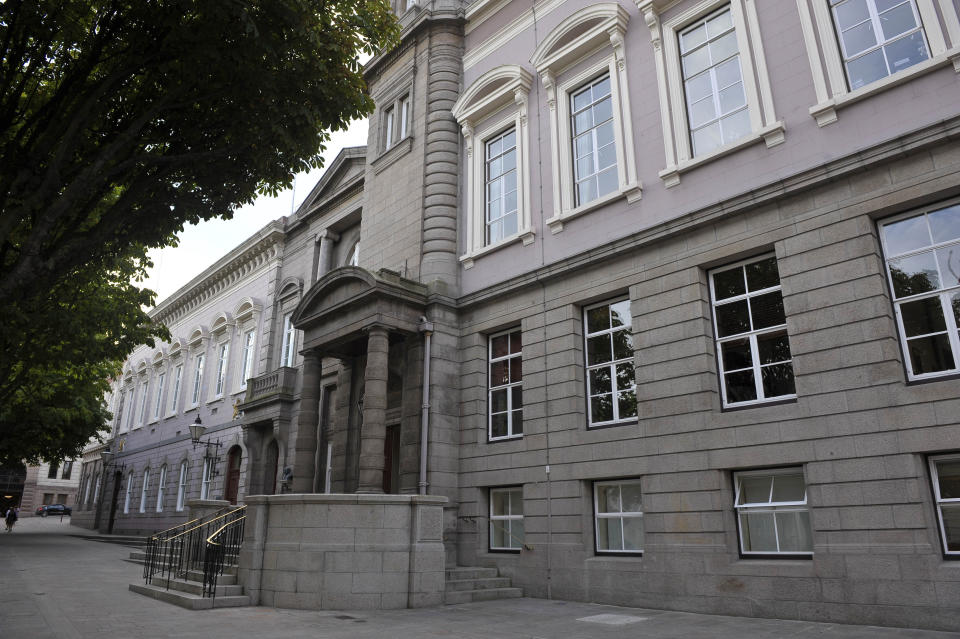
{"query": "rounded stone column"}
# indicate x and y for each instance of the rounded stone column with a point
(305, 444)
(374, 426)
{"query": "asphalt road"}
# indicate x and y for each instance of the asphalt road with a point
(53, 585)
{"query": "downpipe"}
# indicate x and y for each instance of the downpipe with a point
(426, 328)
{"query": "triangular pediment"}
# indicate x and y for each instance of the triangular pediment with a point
(344, 173)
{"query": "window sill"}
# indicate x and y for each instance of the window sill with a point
(826, 112)
(622, 422)
(191, 408)
(631, 192)
(775, 401)
(772, 135)
(526, 237)
(392, 154)
(215, 399)
(497, 440)
(169, 415)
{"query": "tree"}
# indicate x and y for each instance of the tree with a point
(122, 121)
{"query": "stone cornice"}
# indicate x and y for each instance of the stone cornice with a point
(264, 246)
(856, 162)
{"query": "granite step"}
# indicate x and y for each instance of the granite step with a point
(467, 596)
(196, 587)
(459, 573)
(188, 600)
(482, 583)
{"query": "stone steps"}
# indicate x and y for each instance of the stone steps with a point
(124, 540)
(196, 587)
(188, 600)
(466, 584)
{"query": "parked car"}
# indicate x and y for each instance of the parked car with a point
(54, 509)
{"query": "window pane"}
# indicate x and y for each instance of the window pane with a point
(948, 478)
(762, 274)
(607, 157)
(601, 408)
(607, 182)
(723, 47)
(757, 531)
(600, 380)
(498, 425)
(498, 534)
(720, 23)
(773, 347)
(732, 318)
(951, 525)
(587, 191)
(499, 373)
(735, 126)
(788, 488)
(955, 303)
(858, 39)
(693, 37)
(605, 134)
(515, 342)
(777, 380)
(729, 283)
(498, 400)
(608, 535)
(516, 396)
(621, 345)
(598, 349)
(702, 112)
(736, 354)
(767, 310)
(867, 69)
(627, 404)
(707, 139)
(740, 386)
(700, 87)
(517, 417)
(923, 317)
(695, 62)
(897, 21)
(509, 139)
(914, 274)
(516, 533)
(603, 110)
(598, 319)
(625, 377)
(945, 224)
(907, 235)
(754, 489)
(851, 13)
(633, 533)
(608, 498)
(930, 354)
(906, 52)
(728, 73)
(509, 222)
(620, 313)
(732, 98)
(631, 497)
(583, 121)
(793, 528)
(516, 369)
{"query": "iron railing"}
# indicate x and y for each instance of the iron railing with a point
(184, 548)
(221, 550)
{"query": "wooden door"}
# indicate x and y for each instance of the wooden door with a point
(233, 474)
(391, 460)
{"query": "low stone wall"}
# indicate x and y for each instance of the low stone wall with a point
(328, 552)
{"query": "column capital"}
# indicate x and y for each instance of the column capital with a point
(327, 234)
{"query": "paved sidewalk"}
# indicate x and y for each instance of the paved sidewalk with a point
(61, 587)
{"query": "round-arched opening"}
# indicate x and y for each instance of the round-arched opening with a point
(234, 460)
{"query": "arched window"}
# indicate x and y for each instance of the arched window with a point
(205, 479)
(354, 259)
(160, 487)
(96, 489)
(126, 499)
(144, 490)
(182, 486)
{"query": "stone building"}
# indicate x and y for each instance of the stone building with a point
(662, 298)
(49, 483)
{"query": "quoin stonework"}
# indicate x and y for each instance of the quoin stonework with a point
(651, 303)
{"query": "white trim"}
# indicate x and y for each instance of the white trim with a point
(144, 490)
(205, 479)
(501, 38)
(177, 390)
(126, 500)
(673, 108)
(610, 365)
(160, 488)
(509, 517)
(770, 506)
(611, 515)
(508, 387)
(181, 486)
(939, 500)
(830, 80)
(607, 24)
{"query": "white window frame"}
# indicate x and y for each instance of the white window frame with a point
(181, 486)
(396, 120)
(509, 386)
(389, 117)
(826, 59)
(404, 111)
(494, 102)
(620, 516)
(940, 501)
(772, 507)
(118, 418)
(249, 341)
(205, 479)
(160, 487)
(664, 35)
(943, 293)
(86, 488)
(751, 335)
(126, 500)
(144, 490)
(96, 486)
(553, 60)
(289, 344)
(177, 384)
(142, 411)
(611, 365)
(508, 519)
(199, 360)
(223, 360)
(158, 405)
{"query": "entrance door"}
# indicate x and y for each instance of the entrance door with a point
(391, 460)
(234, 458)
(117, 480)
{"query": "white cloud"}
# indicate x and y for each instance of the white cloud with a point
(203, 244)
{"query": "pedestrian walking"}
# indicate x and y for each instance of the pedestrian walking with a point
(11, 518)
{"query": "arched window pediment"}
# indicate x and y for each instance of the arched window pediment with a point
(222, 322)
(581, 33)
(491, 92)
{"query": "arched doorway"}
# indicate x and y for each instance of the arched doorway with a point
(270, 468)
(234, 458)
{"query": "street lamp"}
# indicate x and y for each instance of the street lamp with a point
(210, 455)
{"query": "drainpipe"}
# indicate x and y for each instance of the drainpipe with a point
(426, 328)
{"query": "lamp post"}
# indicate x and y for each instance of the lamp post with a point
(210, 454)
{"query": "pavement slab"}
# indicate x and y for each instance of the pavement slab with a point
(55, 586)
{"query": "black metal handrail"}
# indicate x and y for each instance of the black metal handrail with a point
(222, 549)
(173, 556)
(156, 540)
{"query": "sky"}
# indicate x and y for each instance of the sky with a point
(203, 244)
